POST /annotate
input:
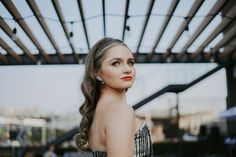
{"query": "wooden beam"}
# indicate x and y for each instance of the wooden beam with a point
(151, 4)
(9, 50)
(83, 21)
(63, 24)
(44, 26)
(3, 59)
(18, 42)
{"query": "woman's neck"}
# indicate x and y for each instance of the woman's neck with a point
(116, 94)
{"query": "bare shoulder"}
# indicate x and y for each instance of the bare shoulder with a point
(119, 110)
(118, 113)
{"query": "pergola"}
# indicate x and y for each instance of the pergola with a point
(218, 46)
(223, 49)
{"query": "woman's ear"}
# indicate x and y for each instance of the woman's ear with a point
(99, 78)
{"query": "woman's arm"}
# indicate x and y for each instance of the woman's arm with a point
(120, 131)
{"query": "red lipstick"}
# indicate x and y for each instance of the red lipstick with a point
(128, 78)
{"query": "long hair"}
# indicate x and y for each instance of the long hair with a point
(91, 88)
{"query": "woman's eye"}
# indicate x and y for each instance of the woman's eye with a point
(115, 63)
(131, 63)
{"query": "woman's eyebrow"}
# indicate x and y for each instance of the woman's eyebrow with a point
(115, 59)
(131, 59)
(120, 59)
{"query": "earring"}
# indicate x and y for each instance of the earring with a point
(99, 79)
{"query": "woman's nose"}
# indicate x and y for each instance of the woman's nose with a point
(126, 68)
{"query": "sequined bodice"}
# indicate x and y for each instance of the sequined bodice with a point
(142, 143)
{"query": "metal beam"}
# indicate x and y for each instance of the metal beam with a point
(195, 7)
(33, 6)
(140, 58)
(168, 89)
(170, 12)
(18, 42)
(151, 4)
(219, 5)
(11, 52)
(226, 22)
(83, 21)
(228, 36)
(14, 12)
(179, 88)
(104, 17)
(125, 18)
(63, 24)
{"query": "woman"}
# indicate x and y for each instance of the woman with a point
(109, 126)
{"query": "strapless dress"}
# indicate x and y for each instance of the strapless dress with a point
(142, 143)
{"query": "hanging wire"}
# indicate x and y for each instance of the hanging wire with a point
(117, 15)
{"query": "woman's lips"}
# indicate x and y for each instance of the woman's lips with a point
(127, 78)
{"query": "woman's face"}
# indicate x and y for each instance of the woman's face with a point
(117, 70)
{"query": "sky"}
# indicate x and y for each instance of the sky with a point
(55, 89)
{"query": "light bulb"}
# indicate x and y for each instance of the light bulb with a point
(14, 31)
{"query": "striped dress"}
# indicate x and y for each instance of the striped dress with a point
(142, 143)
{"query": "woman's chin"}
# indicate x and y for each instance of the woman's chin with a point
(127, 86)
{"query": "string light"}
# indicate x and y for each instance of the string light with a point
(39, 62)
(71, 34)
(39, 59)
(221, 49)
(127, 28)
(118, 15)
(186, 28)
(14, 31)
(168, 59)
(212, 60)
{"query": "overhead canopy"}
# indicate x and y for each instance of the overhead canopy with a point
(62, 32)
